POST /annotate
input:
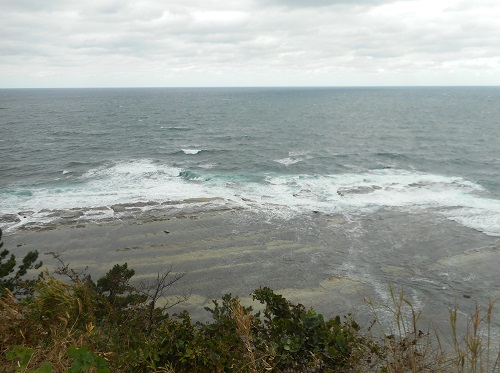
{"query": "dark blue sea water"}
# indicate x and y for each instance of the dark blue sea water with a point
(284, 151)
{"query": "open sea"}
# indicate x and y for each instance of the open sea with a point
(284, 151)
(357, 186)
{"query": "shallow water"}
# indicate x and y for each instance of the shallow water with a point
(332, 262)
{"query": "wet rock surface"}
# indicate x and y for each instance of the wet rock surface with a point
(330, 262)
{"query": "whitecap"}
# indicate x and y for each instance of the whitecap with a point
(207, 166)
(483, 219)
(191, 151)
(457, 199)
(115, 183)
(393, 188)
(289, 161)
(177, 128)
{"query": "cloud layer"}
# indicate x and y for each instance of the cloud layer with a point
(249, 43)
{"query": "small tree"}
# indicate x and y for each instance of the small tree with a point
(154, 290)
(10, 280)
(116, 287)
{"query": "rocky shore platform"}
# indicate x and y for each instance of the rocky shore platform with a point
(330, 262)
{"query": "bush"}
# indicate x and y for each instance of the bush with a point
(13, 281)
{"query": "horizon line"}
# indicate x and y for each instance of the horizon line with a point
(259, 87)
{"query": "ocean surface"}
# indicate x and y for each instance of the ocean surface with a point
(281, 151)
(340, 192)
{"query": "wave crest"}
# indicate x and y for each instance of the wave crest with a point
(191, 151)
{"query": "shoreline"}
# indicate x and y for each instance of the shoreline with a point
(331, 263)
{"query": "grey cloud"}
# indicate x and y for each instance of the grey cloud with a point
(31, 6)
(321, 3)
(272, 38)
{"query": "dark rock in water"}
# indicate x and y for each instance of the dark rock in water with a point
(118, 208)
(10, 218)
(38, 227)
(55, 213)
(25, 213)
(302, 192)
(202, 200)
(357, 190)
(100, 208)
(362, 190)
(143, 204)
(66, 214)
(71, 214)
(135, 206)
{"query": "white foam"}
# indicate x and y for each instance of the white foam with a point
(294, 156)
(459, 199)
(145, 181)
(207, 166)
(179, 128)
(288, 161)
(481, 219)
(124, 182)
(191, 151)
(287, 195)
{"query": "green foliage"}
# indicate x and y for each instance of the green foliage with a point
(13, 281)
(56, 303)
(116, 287)
(22, 356)
(113, 315)
(85, 360)
(116, 281)
(303, 340)
(44, 368)
(285, 337)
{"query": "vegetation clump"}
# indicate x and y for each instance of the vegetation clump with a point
(66, 322)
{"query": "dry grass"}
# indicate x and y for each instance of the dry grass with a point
(476, 351)
(244, 321)
(11, 318)
(406, 348)
(47, 325)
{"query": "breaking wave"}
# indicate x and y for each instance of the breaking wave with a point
(146, 180)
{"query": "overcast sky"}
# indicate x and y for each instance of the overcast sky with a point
(124, 43)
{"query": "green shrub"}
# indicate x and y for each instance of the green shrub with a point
(13, 281)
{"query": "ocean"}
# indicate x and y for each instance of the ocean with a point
(281, 151)
(341, 192)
